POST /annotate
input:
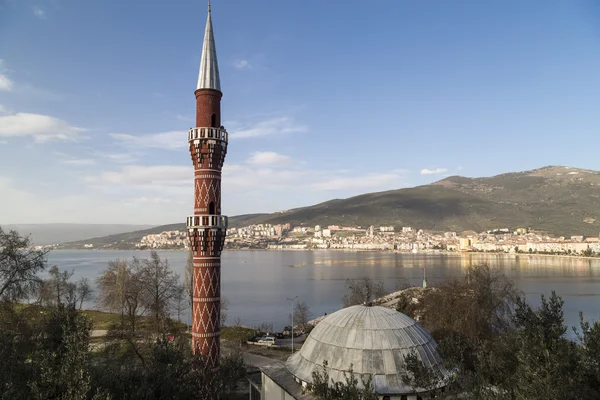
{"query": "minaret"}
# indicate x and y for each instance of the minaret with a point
(207, 227)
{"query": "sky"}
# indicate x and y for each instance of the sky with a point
(322, 99)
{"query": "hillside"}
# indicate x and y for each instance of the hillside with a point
(557, 200)
(131, 237)
(44, 234)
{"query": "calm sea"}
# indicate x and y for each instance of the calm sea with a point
(258, 283)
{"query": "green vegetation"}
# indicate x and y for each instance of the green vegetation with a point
(500, 347)
(324, 388)
(46, 349)
(237, 334)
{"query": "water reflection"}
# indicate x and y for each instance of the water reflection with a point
(257, 283)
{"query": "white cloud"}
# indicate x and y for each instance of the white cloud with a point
(275, 126)
(160, 175)
(6, 84)
(172, 140)
(373, 181)
(39, 12)
(268, 158)
(4, 110)
(120, 158)
(436, 171)
(79, 161)
(42, 128)
(242, 64)
(150, 200)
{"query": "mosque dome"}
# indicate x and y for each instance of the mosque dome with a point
(374, 340)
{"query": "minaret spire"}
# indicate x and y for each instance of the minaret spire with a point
(209, 67)
(207, 228)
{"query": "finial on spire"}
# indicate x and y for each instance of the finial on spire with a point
(208, 5)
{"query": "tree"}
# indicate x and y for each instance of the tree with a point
(19, 265)
(361, 291)
(61, 361)
(324, 388)
(158, 287)
(418, 376)
(119, 291)
(301, 314)
(180, 301)
(224, 308)
(189, 278)
(84, 291)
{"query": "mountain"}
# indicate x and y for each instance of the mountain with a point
(554, 199)
(134, 236)
(558, 200)
(44, 234)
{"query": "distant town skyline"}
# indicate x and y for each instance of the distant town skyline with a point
(323, 100)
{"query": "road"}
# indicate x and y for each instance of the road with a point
(287, 343)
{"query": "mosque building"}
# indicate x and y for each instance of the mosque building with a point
(374, 340)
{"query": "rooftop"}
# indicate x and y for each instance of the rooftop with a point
(374, 340)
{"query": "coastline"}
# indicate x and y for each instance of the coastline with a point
(432, 252)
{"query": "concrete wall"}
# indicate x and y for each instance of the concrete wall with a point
(272, 391)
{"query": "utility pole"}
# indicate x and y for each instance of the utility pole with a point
(292, 300)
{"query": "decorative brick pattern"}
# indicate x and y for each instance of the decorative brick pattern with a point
(207, 238)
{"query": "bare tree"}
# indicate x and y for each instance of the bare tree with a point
(119, 291)
(84, 291)
(301, 314)
(188, 280)
(55, 290)
(361, 291)
(19, 265)
(158, 285)
(180, 301)
(224, 308)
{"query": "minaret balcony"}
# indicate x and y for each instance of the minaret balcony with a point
(207, 221)
(197, 134)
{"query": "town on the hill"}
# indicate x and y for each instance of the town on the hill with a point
(385, 238)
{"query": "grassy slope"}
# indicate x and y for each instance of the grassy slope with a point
(101, 320)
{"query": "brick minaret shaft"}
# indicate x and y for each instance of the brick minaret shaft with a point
(207, 227)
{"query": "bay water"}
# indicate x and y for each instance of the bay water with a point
(258, 283)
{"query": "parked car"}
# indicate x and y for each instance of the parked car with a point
(268, 340)
(279, 335)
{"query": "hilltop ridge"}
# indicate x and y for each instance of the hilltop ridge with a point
(559, 200)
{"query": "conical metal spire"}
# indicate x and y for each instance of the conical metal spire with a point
(209, 67)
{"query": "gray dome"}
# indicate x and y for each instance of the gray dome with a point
(374, 340)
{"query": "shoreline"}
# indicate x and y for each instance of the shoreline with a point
(433, 252)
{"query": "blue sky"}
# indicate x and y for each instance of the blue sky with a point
(322, 100)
